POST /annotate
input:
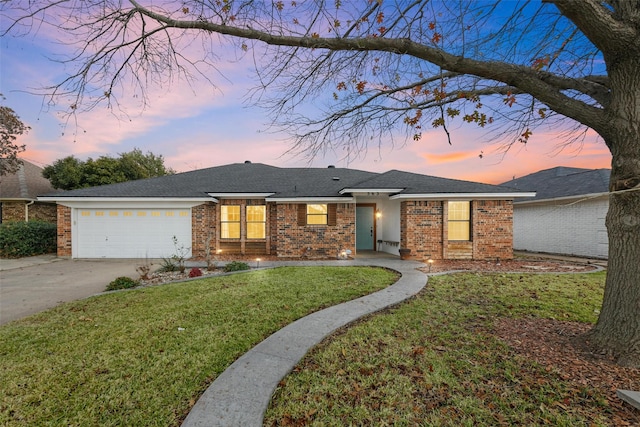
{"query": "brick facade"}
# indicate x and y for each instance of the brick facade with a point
(492, 229)
(314, 241)
(16, 211)
(64, 231)
(204, 231)
(423, 230)
(284, 237)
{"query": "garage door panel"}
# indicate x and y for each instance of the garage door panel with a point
(131, 233)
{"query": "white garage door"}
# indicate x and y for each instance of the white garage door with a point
(131, 233)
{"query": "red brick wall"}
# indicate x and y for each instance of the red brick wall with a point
(15, 211)
(203, 230)
(272, 227)
(64, 231)
(423, 230)
(493, 229)
(314, 241)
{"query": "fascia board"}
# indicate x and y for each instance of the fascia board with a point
(461, 196)
(311, 199)
(370, 190)
(17, 199)
(76, 202)
(562, 199)
(241, 195)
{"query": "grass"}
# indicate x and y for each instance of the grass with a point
(143, 357)
(430, 361)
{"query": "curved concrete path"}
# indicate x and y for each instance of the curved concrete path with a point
(241, 394)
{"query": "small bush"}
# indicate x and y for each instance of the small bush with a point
(195, 272)
(122, 282)
(236, 266)
(20, 239)
(168, 265)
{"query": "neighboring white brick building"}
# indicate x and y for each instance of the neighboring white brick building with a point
(567, 216)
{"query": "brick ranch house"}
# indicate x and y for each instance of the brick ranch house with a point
(255, 209)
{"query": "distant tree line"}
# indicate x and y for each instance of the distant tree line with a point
(71, 173)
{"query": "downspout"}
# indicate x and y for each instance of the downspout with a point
(26, 210)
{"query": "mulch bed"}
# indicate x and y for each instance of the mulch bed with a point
(557, 345)
(526, 265)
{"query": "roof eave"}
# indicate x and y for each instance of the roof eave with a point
(563, 198)
(60, 199)
(241, 195)
(311, 199)
(366, 191)
(460, 196)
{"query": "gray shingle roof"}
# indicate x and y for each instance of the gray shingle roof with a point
(562, 182)
(282, 182)
(413, 183)
(27, 183)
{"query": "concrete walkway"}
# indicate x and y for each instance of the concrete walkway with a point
(241, 394)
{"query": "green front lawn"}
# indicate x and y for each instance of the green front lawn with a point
(434, 362)
(142, 357)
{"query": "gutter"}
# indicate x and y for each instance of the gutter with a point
(26, 210)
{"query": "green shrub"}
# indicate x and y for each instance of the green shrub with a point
(20, 239)
(122, 282)
(236, 266)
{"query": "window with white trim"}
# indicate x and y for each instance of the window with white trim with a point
(230, 222)
(256, 222)
(459, 220)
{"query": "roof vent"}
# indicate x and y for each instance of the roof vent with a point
(247, 162)
(331, 167)
(336, 178)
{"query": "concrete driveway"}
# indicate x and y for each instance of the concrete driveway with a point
(33, 284)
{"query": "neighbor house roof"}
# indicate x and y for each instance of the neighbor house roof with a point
(281, 184)
(562, 182)
(26, 184)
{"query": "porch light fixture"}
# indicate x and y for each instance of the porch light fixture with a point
(378, 214)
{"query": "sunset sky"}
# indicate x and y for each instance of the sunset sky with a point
(199, 126)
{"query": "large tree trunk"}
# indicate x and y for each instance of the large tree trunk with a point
(618, 329)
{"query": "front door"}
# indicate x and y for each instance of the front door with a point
(365, 228)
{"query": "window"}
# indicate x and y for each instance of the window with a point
(317, 214)
(229, 222)
(459, 220)
(256, 222)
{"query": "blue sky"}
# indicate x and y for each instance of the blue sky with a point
(197, 126)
